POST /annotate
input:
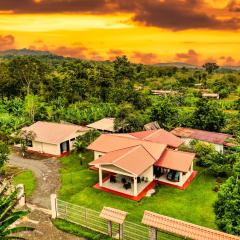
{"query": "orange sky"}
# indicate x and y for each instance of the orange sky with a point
(147, 31)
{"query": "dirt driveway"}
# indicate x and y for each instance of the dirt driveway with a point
(48, 182)
(47, 176)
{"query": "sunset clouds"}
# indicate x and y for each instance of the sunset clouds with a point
(148, 31)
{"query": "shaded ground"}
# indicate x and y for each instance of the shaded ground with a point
(47, 176)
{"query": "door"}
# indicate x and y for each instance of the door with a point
(64, 147)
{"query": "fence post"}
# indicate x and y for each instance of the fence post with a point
(54, 205)
(21, 195)
(121, 230)
(110, 228)
(152, 233)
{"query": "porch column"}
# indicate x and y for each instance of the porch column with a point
(100, 176)
(135, 191)
(191, 169)
(180, 176)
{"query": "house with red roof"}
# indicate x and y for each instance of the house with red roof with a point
(132, 163)
(218, 140)
(53, 139)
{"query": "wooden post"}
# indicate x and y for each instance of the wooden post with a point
(110, 228)
(54, 205)
(152, 233)
(21, 195)
(121, 231)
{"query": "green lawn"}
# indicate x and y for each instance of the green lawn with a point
(27, 178)
(193, 204)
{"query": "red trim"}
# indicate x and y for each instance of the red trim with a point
(48, 154)
(185, 185)
(149, 187)
(134, 198)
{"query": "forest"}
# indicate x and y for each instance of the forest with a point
(57, 89)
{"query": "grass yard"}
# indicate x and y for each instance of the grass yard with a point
(27, 178)
(193, 204)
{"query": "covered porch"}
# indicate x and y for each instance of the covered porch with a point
(123, 182)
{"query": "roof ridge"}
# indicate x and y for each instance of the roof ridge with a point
(153, 133)
(125, 154)
(152, 155)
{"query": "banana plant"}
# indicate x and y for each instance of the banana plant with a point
(8, 214)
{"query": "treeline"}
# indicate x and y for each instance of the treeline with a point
(55, 89)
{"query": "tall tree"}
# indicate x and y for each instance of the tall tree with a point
(165, 112)
(210, 67)
(208, 116)
(227, 206)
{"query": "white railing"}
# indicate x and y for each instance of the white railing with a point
(90, 219)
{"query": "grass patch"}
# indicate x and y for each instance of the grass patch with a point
(192, 205)
(79, 231)
(27, 178)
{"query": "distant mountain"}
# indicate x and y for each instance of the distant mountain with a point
(176, 64)
(25, 52)
(236, 68)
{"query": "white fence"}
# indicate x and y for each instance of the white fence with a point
(90, 219)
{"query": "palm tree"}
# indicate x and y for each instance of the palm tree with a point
(8, 215)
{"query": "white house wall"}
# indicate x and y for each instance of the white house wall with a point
(148, 174)
(45, 148)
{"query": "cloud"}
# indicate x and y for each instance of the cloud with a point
(228, 61)
(191, 57)
(180, 15)
(53, 6)
(147, 58)
(113, 53)
(170, 14)
(234, 6)
(7, 42)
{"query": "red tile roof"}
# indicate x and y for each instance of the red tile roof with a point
(176, 160)
(105, 124)
(159, 136)
(134, 160)
(184, 229)
(113, 215)
(111, 142)
(211, 137)
(135, 156)
(53, 133)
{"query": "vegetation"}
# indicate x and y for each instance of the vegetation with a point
(79, 231)
(26, 178)
(4, 151)
(193, 204)
(227, 206)
(8, 214)
(50, 88)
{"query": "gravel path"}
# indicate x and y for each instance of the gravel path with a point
(46, 173)
(48, 182)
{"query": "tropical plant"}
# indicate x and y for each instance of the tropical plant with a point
(84, 140)
(4, 151)
(8, 213)
(227, 206)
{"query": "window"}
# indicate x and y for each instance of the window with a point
(29, 143)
